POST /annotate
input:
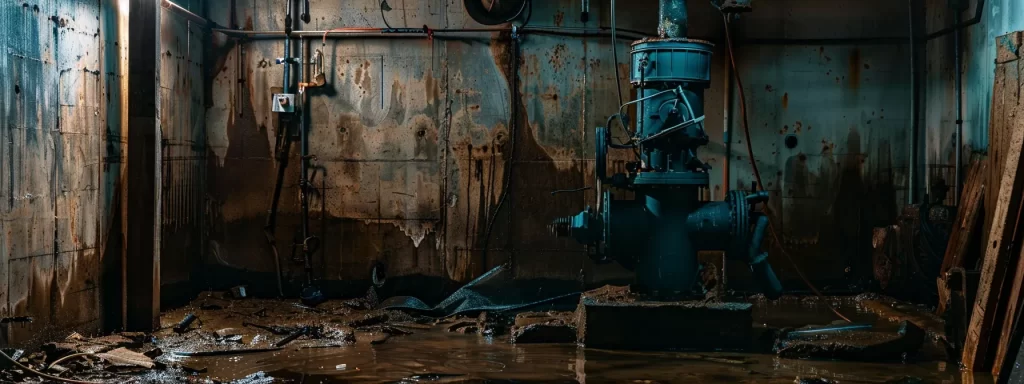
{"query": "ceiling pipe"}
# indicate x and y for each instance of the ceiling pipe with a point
(181, 11)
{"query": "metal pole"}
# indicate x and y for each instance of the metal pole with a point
(304, 177)
(958, 63)
(915, 127)
(672, 18)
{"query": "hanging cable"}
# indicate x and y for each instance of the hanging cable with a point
(757, 173)
(383, 4)
(513, 124)
(615, 55)
(43, 375)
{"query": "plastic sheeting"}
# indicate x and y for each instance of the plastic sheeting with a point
(495, 291)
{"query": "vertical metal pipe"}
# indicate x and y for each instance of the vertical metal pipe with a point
(958, 63)
(287, 48)
(727, 131)
(915, 126)
(672, 18)
(304, 177)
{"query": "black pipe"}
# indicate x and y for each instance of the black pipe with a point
(958, 64)
(915, 107)
(183, 325)
(288, 19)
(304, 176)
(672, 19)
(759, 266)
(305, 11)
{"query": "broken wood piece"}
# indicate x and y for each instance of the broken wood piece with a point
(1008, 341)
(966, 217)
(125, 357)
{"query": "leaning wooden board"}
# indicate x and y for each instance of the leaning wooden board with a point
(966, 217)
(989, 312)
(1015, 281)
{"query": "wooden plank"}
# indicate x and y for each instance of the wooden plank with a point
(966, 217)
(988, 313)
(1004, 96)
(966, 229)
(1013, 302)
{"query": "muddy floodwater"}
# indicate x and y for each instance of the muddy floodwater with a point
(432, 354)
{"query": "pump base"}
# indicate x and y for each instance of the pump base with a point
(615, 318)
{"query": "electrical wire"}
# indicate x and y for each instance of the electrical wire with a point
(44, 375)
(513, 122)
(757, 173)
(69, 357)
(615, 56)
(382, 15)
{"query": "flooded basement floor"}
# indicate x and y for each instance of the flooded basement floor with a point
(430, 353)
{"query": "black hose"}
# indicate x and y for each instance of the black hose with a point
(762, 271)
(513, 121)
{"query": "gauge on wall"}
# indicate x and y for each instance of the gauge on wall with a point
(492, 12)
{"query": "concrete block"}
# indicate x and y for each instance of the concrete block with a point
(615, 318)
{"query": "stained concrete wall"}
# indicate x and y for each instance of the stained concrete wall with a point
(62, 105)
(62, 160)
(184, 148)
(413, 137)
(999, 17)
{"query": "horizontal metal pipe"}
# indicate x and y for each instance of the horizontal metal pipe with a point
(979, 10)
(199, 20)
(826, 41)
(392, 33)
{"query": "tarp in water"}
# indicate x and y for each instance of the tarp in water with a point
(495, 291)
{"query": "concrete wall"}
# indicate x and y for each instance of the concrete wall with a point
(413, 136)
(999, 17)
(62, 111)
(183, 135)
(62, 144)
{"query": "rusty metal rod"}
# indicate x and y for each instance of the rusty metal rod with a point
(181, 11)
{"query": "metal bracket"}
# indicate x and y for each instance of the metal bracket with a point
(284, 103)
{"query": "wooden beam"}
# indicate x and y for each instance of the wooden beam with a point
(142, 262)
(1002, 245)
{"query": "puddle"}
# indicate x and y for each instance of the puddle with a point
(438, 356)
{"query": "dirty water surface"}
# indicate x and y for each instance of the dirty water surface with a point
(396, 347)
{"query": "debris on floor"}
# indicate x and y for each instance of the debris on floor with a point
(217, 329)
(853, 345)
(544, 327)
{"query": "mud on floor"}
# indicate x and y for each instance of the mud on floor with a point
(262, 341)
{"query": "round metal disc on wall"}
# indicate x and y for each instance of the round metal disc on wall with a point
(493, 12)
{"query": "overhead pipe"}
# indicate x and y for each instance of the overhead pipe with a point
(183, 12)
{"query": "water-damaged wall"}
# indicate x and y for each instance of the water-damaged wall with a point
(999, 17)
(183, 142)
(63, 147)
(61, 92)
(411, 137)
